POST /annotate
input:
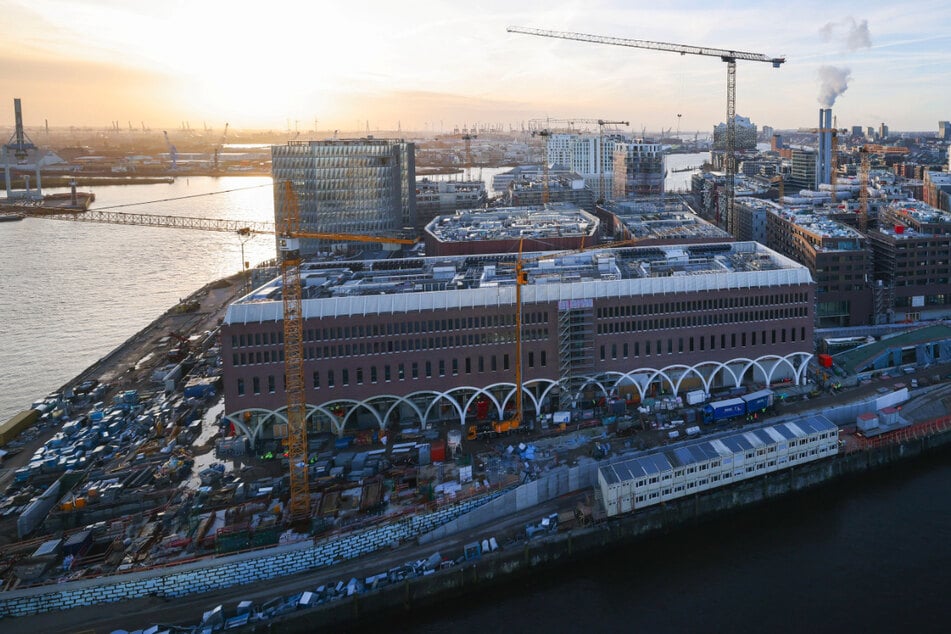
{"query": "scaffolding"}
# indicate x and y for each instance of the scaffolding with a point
(575, 347)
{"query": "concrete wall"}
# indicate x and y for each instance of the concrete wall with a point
(549, 486)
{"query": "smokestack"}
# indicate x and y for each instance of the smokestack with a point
(824, 158)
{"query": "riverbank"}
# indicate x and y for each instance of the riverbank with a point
(534, 558)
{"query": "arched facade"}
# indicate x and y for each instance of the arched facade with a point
(423, 407)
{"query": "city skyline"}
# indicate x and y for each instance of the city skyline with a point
(432, 66)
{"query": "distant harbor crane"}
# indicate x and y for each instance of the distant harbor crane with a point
(725, 55)
(172, 152)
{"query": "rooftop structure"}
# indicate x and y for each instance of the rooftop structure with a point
(557, 226)
(662, 220)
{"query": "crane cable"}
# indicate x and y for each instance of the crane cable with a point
(165, 200)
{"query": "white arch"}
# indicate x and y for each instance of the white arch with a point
(400, 399)
(797, 362)
(440, 396)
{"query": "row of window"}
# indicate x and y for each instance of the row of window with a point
(390, 329)
(387, 373)
(391, 346)
(692, 344)
(719, 303)
(762, 451)
(696, 321)
(693, 484)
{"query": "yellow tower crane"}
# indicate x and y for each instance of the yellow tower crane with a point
(289, 236)
(728, 56)
(865, 152)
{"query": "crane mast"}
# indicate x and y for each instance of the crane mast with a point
(289, 246)
(726, 55)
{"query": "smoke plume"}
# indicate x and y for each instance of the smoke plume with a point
(833, 81)
(856, 34)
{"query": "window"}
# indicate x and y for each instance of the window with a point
(415, 369)
(373, 374)
(240, 387)
(256, 385)
(359, 376)
(270, 383)
(345, 376)
(316, 379)
(330, 378)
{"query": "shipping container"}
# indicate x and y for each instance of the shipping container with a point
(758, 401)
(722, 410)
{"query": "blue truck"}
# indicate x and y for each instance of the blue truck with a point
(745, 405)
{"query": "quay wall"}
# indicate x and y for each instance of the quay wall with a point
(553, 550)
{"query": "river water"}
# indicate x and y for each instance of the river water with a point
(870, 554)
(71, 292)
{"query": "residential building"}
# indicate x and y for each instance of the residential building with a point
(639, 169)
(911, 245)
(838, 257)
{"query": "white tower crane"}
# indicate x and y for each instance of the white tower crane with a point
(728, 56)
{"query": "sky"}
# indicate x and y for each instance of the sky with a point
(433, 65)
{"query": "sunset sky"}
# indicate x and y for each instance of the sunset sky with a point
(429, 65)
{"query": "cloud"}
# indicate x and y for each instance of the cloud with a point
(856, 36)
(833, 81)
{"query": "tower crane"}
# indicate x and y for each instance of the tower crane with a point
(728, 56)
(521, 279)
(544, 134)
(864, 153)
(289, 235)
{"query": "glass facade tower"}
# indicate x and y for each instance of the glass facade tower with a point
(359, 186)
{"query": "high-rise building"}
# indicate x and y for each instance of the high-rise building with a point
(944, 130)
(582, 153)
(802, 173)
(359, 186)
(638, 168)
(745, 134)
(883, 131)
